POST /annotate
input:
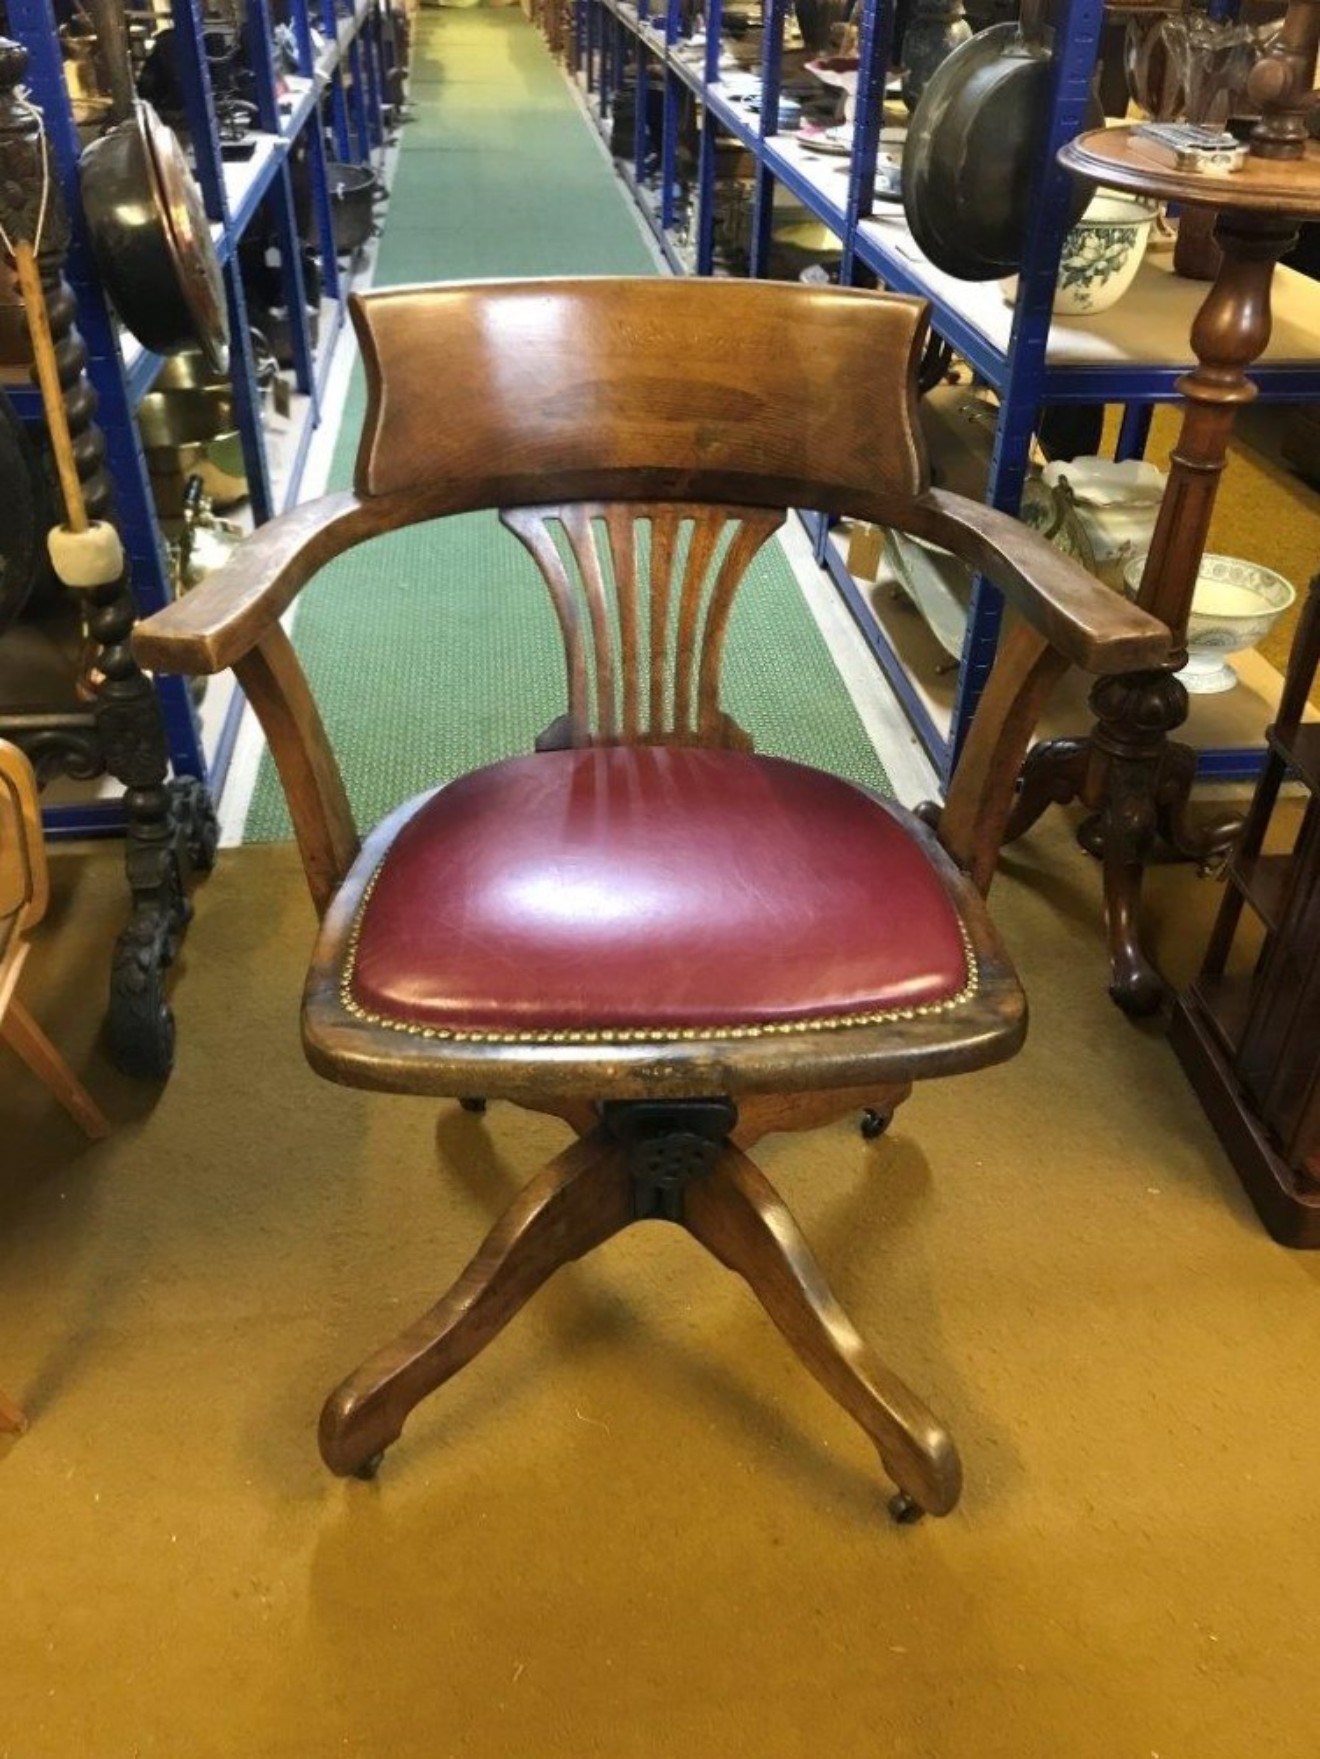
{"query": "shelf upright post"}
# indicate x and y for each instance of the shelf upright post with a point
(338, 98)
(772, 66)
(1134, 431)
(706, 145)
(873, 56)
(369, 56)
(874, 49)
(376, 74)
(1075, 50)
(669, 127)
(199, 102)
(609, 48)
(315, 136)
(619, 59)
(605, 53)
(258, 37)
(581, 36)
(361, 122)
(641, 89)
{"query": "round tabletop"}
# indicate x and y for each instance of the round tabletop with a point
(1115, 157)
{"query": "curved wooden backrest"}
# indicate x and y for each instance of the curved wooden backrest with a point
(761, 393)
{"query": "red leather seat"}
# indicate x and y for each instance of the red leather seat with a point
(664, 888)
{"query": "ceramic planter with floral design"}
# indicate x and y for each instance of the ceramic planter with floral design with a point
(1101, 255)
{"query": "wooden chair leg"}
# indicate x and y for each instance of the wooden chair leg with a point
(739, 1216)
(12, 1420)
(575, 1203)
(21, 1032)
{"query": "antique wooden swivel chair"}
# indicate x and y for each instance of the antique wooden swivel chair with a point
(643, 927)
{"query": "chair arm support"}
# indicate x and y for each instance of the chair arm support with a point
(276, 687)
(214, 625)
(981, 790)
(1090, 625)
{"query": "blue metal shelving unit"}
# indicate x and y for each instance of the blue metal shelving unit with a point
(341, 78)
(616, 38)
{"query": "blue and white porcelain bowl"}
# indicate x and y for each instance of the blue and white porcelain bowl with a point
(1234, 606)
(1102, 253)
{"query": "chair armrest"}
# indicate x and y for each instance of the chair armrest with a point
(216, 623)
(232, 620)
(1082, 619)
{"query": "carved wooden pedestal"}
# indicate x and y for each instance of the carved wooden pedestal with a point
(1129, 771)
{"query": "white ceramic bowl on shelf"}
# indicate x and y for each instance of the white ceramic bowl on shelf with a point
(1234, 606)
(1101, 255)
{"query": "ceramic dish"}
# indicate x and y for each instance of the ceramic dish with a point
(837, 140)
(1234, 606)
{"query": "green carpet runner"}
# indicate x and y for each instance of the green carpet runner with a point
(435, 650)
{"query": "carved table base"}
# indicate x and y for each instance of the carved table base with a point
(1137, 783)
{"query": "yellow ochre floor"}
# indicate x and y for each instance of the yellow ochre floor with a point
(635, 1526)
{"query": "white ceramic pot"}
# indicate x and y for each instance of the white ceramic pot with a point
(1116, 504)
(1101, 255)
(1234, 606)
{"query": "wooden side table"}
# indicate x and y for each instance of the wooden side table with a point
(1134, 778)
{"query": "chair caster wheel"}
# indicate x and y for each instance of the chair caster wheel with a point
(904, 1510)
(874, 1123)
(473, 1105)
(369, 1467)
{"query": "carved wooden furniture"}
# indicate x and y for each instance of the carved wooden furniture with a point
(23, 894)
(117, 727)
(1248, 1029)
(643, 927)
(1128, 771)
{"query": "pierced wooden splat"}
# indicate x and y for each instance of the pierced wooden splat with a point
(643, 595)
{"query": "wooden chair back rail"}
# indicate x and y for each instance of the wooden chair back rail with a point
(775, 394)
(276, 686)
(604, 540)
